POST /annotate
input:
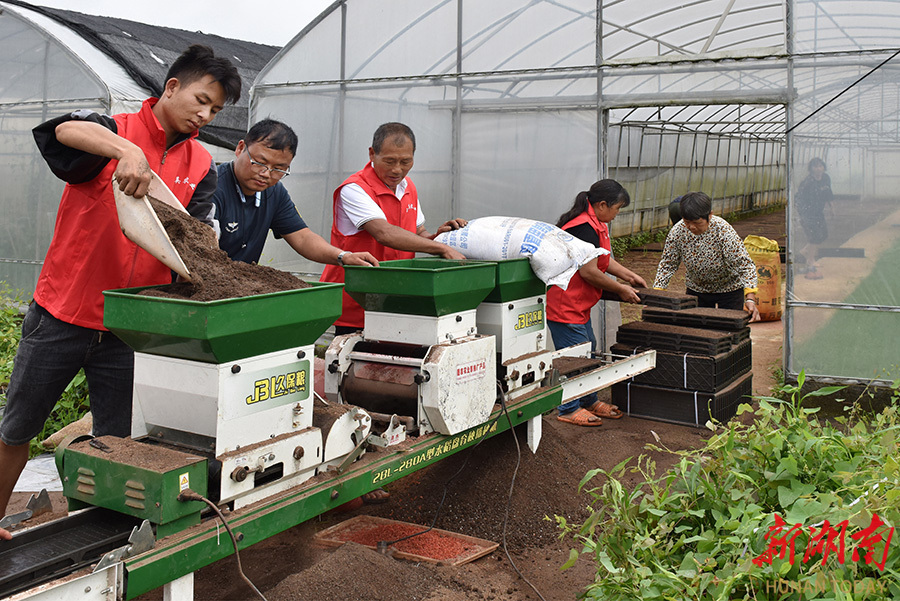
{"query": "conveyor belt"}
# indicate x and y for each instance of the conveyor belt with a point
(60, 547)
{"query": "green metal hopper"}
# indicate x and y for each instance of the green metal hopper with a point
(431, 287)
(515, 280)
(222, 330)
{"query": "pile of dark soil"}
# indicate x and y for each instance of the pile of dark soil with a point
(214, 275)
(546, 485)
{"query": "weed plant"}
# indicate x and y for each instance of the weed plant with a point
(623, 244)
(74, 401)
(708, 527)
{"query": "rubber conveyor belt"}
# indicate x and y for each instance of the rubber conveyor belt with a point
(61, 547)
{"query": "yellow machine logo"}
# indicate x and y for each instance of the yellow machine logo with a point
(530, 319)
(273, 387)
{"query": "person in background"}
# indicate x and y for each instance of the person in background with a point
(719, 271)
(250, 200)
(675, 210)
(813, 195)
(63, 329)
(569, 310)
(377, 210)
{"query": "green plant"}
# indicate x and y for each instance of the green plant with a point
(10, 332)
(71, 406)
(623, 244)
(695, 531)
(73, 403)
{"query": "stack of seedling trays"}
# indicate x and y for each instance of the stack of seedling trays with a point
(703, 365)
(650, 297)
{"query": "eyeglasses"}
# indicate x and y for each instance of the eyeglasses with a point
(262, 168)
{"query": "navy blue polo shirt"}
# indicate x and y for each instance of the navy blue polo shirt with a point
(244, 225)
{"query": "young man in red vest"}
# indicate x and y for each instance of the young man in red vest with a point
(63, 329)
(377, 210)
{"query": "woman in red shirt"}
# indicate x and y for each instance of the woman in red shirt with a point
(569, 311)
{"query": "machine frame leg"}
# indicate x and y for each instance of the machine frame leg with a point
(533, 436)
(181, 589)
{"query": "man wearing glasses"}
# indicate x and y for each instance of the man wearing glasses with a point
(250, 200)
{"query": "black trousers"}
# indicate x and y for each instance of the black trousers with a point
(722, 300)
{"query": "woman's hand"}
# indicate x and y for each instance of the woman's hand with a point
(751, 308)
(637, 281)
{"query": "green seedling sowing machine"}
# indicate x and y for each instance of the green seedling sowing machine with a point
(224, 406)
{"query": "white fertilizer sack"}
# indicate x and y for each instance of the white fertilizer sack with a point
(555, 255)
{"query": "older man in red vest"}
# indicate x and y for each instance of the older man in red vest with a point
(377, 210)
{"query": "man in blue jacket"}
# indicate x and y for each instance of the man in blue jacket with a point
(251, 200)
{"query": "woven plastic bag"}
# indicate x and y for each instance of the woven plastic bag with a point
(764, 253)
(554, 255)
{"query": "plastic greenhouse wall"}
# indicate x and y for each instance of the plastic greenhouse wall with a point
(518, 106)
(41, 79)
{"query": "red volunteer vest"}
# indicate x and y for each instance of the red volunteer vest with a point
(89, 253)
(573, 305)
(400, 212)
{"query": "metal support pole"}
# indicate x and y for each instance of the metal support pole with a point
(693, 161)
(181, 589)
(727, 165)
(456, 121)
(787, 343)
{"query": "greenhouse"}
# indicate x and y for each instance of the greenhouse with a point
(519, 105)
(54, 61)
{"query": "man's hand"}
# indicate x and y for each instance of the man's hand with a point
(453, 224)
(133, 174)
(360, 258)
(5, 535)
(450, 253)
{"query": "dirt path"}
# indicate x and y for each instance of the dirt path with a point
(291, 566)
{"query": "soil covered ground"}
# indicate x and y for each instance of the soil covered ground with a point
(469, 493)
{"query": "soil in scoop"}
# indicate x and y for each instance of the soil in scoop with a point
(214, 275)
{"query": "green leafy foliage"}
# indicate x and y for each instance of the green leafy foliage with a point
(623, 244)
(695, 531)
(74, 401)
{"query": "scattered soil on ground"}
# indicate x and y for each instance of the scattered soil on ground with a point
(214, 276)
(469, 493)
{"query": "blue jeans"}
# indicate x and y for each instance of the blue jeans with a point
(49, 355)
(569, 334)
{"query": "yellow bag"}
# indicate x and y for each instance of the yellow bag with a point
(764, 253)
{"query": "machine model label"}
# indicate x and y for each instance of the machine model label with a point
(471, 371)
(267, 384)
(279, 385)
(184, 482)
(530, 319)
(434, 452)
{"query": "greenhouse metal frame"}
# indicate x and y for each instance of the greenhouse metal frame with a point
(519, 105)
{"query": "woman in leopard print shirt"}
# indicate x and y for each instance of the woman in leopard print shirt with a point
(719, 271)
